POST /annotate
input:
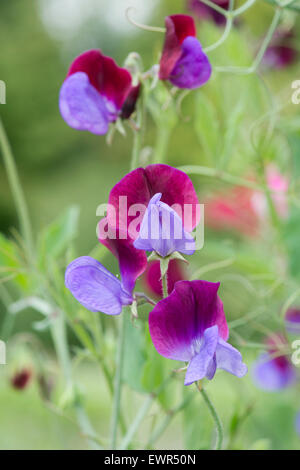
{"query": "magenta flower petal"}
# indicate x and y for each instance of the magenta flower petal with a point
(271, 375)
(140, 185)
(178, 322)
(178, 28)
(95, 287)
(192, 69)
(110, 80)
(81, 106)
(162, 230)
(292, 321)
(132, 262)
(230, 359)
(199, 366)
(152, 276)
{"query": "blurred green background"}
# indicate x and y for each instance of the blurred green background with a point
(60, 167)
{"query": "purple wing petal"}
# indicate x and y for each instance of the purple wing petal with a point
(269, 375)
(162, 230)
(81, 106)
(193, 69)
(202, 363)
(292, 321)
(230, 359)
(95, 287)
(178, 322)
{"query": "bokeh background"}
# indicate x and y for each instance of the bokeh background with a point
(60, 167)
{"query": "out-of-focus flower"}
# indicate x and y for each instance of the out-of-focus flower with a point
(183, 61)
(95, 287)
(190, 325)
(281, 51)
(297, 423)
(274, 371)
(202, 11)
(292, 321)
(96, 92)
(152, 277)
(232, 210)
(278, 185)
(162, 231)
(21, 379)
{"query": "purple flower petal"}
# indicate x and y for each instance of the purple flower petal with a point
(95, 287)
(162, 230)
(202, 363)
(268, 374)
(230, 359)
(192, 69)
(81, 106)
(178, 322)
(132, 262)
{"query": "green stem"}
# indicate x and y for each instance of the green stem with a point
(161, 146)
(164, 279)
(16, 188)
(118, 382)
(215, 417)
(229, 21)
(137, 135)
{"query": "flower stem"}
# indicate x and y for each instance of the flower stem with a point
(214, 415)
(118, 382)
(16, 188)
(164, 279)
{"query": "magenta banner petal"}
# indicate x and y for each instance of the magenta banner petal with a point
(178, 28)
(105, 75)
(178, 322)
(95, 287)
(140, 185)
(193, 68)
(132, 262)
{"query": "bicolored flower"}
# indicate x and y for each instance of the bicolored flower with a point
(183, 61)
(273, 370)
(95, 287)
(133, 193)
(21, 379)
(190, 325)
(203, 12)
(152, 277)
(281, 51)
(292, 321)
(297, 423)
(96, 92)
(162, 230)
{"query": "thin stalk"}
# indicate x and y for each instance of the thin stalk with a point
(118, 382)
(16, 188)
(137, 136)
(162, 140)
(214, 415)
(164, 280)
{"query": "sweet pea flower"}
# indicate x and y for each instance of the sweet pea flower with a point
(272, 371)
(297, 423)
(281, 52)
(95, 287)
(21, 379)
(292, 321)
(203, 12)
(133, 194)
(183, 61)
(190, 325)
(162, 231)
(152, 277)
(96, 92)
